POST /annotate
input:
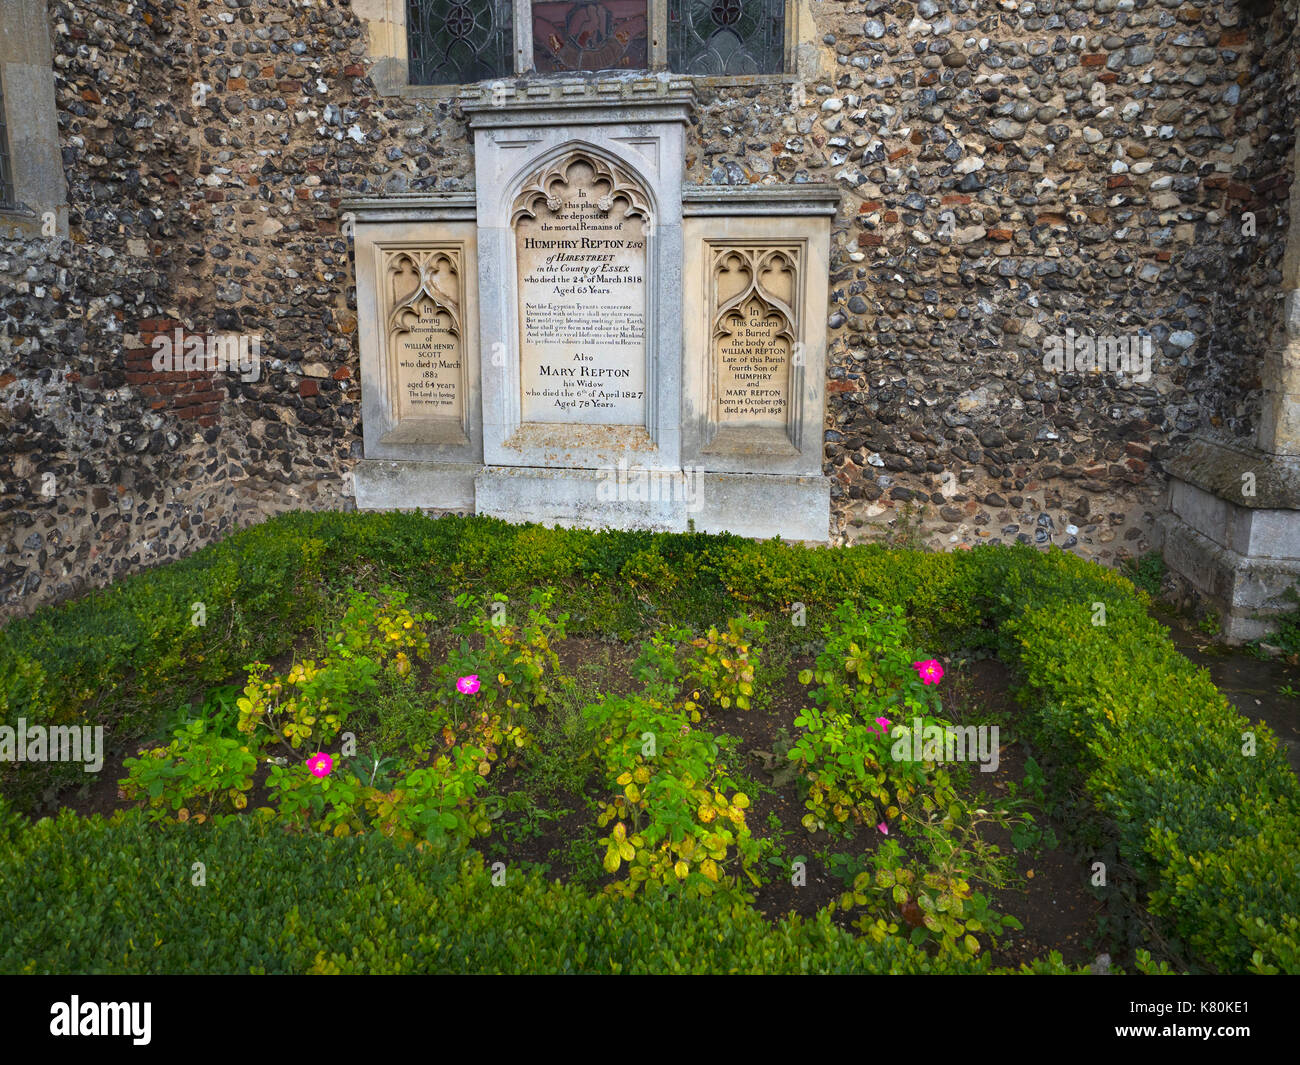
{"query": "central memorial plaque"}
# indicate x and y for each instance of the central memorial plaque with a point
(587, 341)
(580, 240)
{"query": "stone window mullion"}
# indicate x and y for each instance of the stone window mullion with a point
(658, 35)
(523, 36)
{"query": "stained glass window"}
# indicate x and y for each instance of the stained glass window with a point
(591, 35)
(726, 37)
(6, 174)
(455, 42)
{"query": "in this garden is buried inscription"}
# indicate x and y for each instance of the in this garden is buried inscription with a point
(581, 241)
(753, 367)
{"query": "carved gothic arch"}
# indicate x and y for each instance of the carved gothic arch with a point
(436, 274)
(754, 265)
(541, 184)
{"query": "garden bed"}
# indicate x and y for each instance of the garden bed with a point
(761, 672)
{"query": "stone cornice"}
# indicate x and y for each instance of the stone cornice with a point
(613, 99)
(1221, 469)
(411, 207)
(810, 198)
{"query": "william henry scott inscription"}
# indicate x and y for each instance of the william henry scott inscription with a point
(425, 337)
(428, 365)
(580, 240)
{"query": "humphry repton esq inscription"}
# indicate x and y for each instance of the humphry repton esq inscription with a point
(584, 339)
(580, 233)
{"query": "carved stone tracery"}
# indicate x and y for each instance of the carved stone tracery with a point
(766, 274)
(434, 274)
(543, 185)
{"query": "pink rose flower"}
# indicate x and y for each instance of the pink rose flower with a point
(883, 828)
(468, 685)
(320, 764)
(930, 671)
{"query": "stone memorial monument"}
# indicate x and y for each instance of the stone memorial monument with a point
(585, 340)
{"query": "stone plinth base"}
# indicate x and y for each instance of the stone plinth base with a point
(659, 500)
(747, 504)
(383, 484)
(760, 506)
(1233, 532)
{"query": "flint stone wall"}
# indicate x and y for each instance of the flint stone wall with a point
(1009, 170)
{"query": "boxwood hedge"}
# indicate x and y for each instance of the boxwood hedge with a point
(1198, 801)
(94, 896)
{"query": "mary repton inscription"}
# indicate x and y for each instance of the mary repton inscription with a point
(580, 237)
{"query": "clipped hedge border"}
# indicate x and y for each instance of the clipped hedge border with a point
(97, 897)
(1156, 749)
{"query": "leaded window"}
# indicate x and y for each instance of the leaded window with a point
(454, 42)
(6, 174)
(719, 37)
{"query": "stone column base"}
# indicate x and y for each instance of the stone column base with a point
(1232, 532)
